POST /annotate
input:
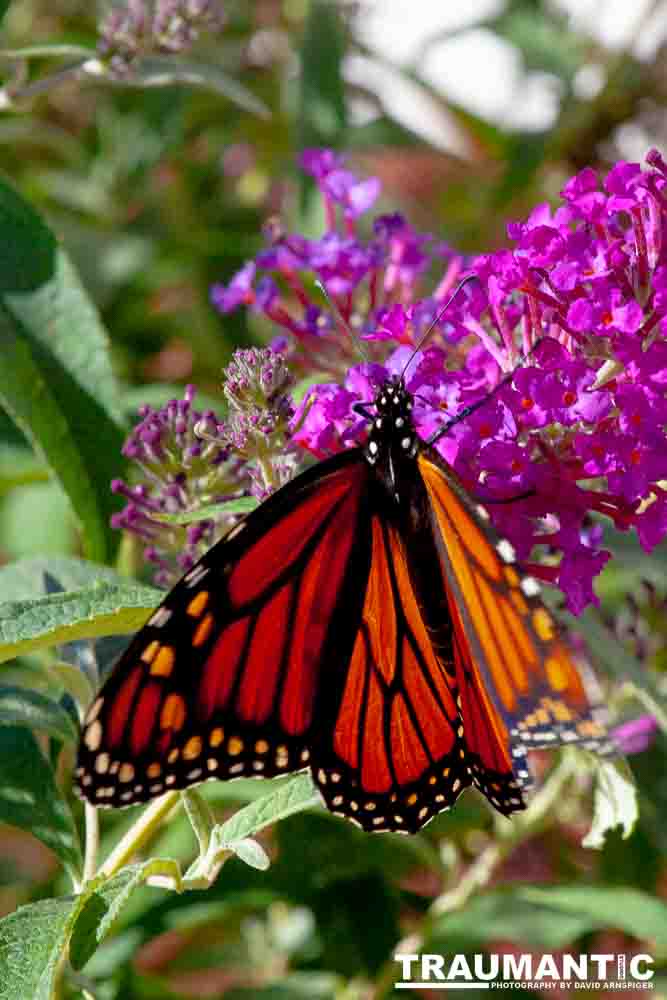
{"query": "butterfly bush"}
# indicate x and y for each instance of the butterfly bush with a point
(575, 308)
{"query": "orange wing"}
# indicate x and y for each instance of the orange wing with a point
(392, 756)
(521, 685)
(222, 681)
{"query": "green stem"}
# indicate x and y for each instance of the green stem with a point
(139, 834)
(629, 691)
(92, 825)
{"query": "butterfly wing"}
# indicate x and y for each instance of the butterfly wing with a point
(222, 680)
(521, 684)
(389, 754)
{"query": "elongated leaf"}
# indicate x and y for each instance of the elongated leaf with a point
(4, 7)
(291, 797)
(322, 110)
(630, 910)
(164, 71)
(102, 609)
(241, 506)
(55, 51)
(23, 707)
(56, 380)
(548, 918)
(25, 578)
(30, 798)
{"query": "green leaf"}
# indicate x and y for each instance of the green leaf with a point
(23, 707)
(625, 909)
(30, 798)
(25, 577)
(56, 379)
(32, 941)
(252, 853)
(105, 901)
(157, 71)
(241, 506)
(46, 51)
(322, 109)
(97, 610)
(548, 918)
(28, 249)
(20, 467)
(615, 802)
(291, 797)
(4, 7)
(37, 520)
(542, 38)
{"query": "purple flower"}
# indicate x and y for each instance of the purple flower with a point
(182, 462)
(635, 736)
(578, 303)
(238, 292)
(184, 459)
(139, 28)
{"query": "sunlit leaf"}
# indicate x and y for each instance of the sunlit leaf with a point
(23, 707)
(101, 609)
(615, 802)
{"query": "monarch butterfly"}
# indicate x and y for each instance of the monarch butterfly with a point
(366, 622)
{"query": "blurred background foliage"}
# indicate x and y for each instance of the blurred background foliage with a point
(470, 113)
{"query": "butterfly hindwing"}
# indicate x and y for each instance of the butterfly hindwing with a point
(519, 677)
(391, 755)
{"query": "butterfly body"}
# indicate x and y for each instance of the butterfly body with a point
(365, 622)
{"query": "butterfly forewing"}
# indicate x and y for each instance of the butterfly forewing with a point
(222, 680)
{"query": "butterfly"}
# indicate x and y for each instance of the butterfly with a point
(365, 622)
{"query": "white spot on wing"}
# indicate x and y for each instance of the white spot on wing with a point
(161, 617)
(195, 575)
(506, 551)
(530, 586)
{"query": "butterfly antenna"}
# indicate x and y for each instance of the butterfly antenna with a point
(473, 407)
(435, 322)
(361, 347)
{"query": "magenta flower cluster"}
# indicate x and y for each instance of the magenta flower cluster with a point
(579, 302)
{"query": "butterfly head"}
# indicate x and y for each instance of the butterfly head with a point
(392, 429)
